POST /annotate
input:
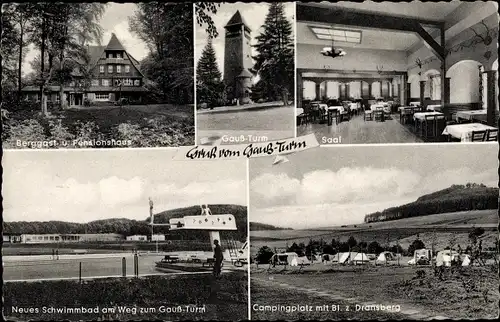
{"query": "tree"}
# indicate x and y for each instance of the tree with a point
(204, 10)
(166, 28)
(210, 87)
(352, 242)
(9, 38)
(374, 248)
(264, 255)
(417, 244)
(274, 62)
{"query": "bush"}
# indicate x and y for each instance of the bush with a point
(59, 132)
(29, 130)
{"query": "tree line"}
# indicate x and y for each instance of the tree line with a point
(274, 63)
(456, 198)
(127, 227)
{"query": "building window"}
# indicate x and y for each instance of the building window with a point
(105, 82)
(435, 87)
(95, 82)
(137, 82)
(110, 68)
(101, 97)
(127, 68)
(118, 69)
(101, 68)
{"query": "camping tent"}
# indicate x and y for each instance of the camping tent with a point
(466, 261)
(342, 258)
(445, 257)
(420, 257)
(360, 258)
(290, 258)
(384, 257)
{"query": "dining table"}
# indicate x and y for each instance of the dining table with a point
(479, 115)
(463, 132)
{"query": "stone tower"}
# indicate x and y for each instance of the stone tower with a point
(238, 59)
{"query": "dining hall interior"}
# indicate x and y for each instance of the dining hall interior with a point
(409, 72)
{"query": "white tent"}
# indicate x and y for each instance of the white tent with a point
(291, 259)
(445, 257)
(466, 261)
(342, 258)
(360, 258)
(384, 257)
(420, 255)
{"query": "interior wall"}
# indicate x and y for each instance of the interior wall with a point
(308, 56)
(464, 82)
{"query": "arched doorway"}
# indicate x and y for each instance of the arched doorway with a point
(466, 79)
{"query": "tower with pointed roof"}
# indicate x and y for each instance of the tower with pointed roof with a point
(238, 58)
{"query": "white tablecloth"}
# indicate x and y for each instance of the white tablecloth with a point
(464, 131)
(354, 106)
(433, 107)
(339, 108)
(385, 107)
(469, 115)
(421, 115)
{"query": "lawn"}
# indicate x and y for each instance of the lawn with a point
(470, 292)
(134, 126)
(223, 299)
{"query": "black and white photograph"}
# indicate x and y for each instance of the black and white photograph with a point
(245, 55)
(131, 235)
(375, 233)
(97, 75)
(386, 72)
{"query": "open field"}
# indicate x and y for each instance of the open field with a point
(158, 125)
(443, 226)
(471, 292)
(222, 299)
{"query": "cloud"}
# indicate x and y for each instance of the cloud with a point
(110, 197)
(344, 186)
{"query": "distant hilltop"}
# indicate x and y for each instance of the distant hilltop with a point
(254, 226)
(471, 196)
(129, 227)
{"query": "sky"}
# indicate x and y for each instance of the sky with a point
(86, 185)
(253, 13)
(114, 20)
(332, 186)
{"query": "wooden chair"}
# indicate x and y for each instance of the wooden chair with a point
(368, 115)
(429, 126)
(379, 114)
(333, 114)
(492, 135)
(478, 136)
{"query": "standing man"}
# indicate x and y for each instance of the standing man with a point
(219, 257)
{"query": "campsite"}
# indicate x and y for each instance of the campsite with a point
(423, 264)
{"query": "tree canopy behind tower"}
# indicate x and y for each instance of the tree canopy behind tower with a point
(274, 62)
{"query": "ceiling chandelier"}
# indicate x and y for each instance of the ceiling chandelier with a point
(332, 51)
